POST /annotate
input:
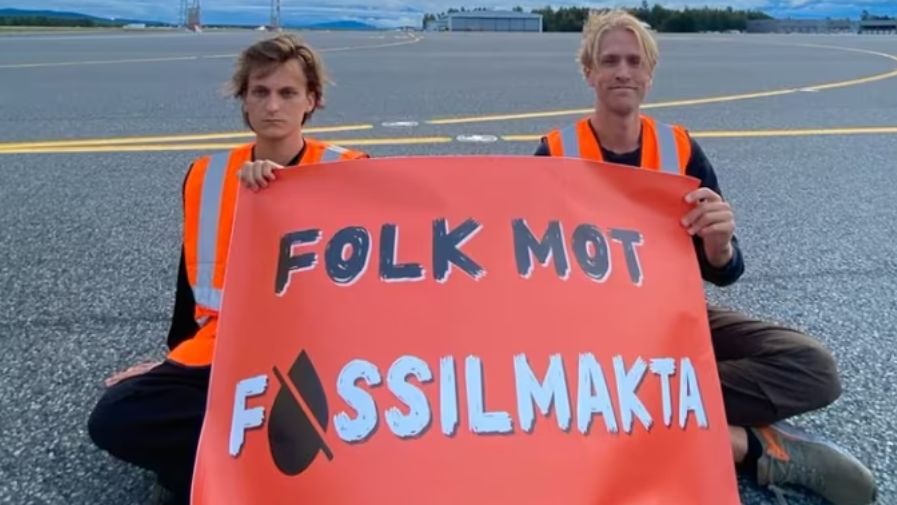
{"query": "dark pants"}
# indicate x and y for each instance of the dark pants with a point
(768, 373)
(153, 421)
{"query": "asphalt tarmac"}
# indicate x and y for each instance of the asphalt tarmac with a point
(801, 129)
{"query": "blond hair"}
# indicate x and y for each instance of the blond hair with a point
(266, 55)
(601, 22)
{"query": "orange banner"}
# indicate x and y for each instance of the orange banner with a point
(464, 330)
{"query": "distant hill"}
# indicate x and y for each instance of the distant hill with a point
(34, 17)
(63, 18)
(45, 13)
(340, 25)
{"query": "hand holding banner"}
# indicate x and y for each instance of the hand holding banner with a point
(464, 330)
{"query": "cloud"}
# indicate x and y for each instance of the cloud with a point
(401, 12)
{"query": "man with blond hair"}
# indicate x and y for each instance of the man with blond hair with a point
(152, 413)
(768, 372)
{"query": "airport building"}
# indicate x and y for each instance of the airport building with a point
(878, 26)
(802, 26)
(488, 21)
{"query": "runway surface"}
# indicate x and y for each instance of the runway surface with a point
(802, 131)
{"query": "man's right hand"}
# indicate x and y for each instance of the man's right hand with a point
(256, 174)
(138, 369)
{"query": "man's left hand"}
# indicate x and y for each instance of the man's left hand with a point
(134, 371)
(712, 220)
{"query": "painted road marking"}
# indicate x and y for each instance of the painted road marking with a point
(484, 139)
(42, 146)
(807, 132)
(396, 141)
(694, 101)
(167, 138)
(100, 62)
(721, 134)
(399, 124)
(411, 40)
(212, 146)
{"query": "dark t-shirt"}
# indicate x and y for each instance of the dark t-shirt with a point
(700, 168)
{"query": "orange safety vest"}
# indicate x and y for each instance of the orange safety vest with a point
(666, 148)
(210, 194)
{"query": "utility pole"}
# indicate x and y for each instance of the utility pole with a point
(275, 15)
(182, 14)
(194, 21)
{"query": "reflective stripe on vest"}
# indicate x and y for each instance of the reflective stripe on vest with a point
(570, 141)
(333, 153)
(204, 292)
(666, 148)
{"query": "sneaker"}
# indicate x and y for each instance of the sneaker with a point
(160, 495)
(792, 456)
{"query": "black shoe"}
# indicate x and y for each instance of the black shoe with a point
(160, 495)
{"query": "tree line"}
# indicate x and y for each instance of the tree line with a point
(53, 21)
(705, 19)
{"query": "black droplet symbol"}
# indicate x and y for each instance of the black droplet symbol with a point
(294, 437)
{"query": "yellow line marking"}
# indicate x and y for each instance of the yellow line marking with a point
(85, 145)
(213, 146)
(99, 62)
(508, 117)
(166, 138)
(874, 130)
(394, 141)
(720, 134)
(718, 99)
(694, 101)
(413, 40)
(209, 146)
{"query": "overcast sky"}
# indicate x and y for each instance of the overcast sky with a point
(409, 12)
